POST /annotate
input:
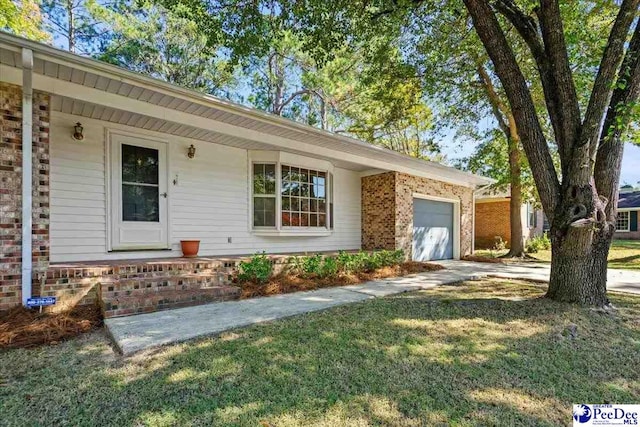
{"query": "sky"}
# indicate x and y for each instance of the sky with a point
(630, 173)
(630, 165)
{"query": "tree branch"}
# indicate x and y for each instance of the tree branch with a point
(527, 27)
(568, 117)
(609, 154)
(291, 97)
(522, 106)
(500, 110)
(603, 85)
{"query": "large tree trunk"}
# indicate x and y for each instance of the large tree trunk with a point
(582, 207)
(579, 266)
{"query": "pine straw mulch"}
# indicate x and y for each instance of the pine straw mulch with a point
(476, 258)
(285, 283)
(23, 327)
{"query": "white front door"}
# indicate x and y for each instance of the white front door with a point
(138, 193)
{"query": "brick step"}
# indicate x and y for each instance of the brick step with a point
(146, 294)
(166, 299)
(143, 269)
(177, 282)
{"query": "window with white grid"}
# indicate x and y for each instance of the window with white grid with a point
(622, 221)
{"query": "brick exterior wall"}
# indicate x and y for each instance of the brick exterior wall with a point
(387, 210)
(379, 211)
(492, 220)
(11, 191)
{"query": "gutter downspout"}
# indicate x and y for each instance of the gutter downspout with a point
(27, 171)
(473, 222)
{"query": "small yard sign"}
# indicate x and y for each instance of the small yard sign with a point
(40, 301)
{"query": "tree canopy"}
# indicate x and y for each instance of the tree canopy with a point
(22, 18)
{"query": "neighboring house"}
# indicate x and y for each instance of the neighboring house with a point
(124, 166)
(627, 220)
(492, 219)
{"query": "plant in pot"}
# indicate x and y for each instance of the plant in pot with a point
(190, 248)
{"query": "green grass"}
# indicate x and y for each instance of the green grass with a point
(480, 353)
(624, 254)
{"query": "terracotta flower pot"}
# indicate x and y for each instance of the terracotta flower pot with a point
(190, 248)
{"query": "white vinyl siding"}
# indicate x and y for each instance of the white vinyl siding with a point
(210, 201)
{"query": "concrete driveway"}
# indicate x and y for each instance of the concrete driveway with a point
(617, 280)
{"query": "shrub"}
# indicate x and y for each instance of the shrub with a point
(258, 269)
(346, 262)
(499, 245)
(538, 243)
(329, 267)
(365, 261)
(390, 258)
(310, 265)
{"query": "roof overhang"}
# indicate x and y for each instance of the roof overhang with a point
(90, 88)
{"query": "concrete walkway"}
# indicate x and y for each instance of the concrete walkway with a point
(136, 333)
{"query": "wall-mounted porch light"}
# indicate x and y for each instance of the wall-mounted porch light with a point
(77, 132)
(191, 152)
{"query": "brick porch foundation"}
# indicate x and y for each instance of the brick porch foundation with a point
(141, 286)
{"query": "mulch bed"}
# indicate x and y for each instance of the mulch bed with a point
(476, 258)
(286, 283)
(23, 327)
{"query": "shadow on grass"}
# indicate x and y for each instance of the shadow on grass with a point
(475, 354)
(628, 259)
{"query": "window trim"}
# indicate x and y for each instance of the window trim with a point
(280, 159)
(628, 229)
(265, 196)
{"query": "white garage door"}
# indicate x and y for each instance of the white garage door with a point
(432, 230)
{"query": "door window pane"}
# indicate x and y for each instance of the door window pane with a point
(139, 164)
(140, 177)
(140, 203)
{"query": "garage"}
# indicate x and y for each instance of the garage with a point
(433, 229)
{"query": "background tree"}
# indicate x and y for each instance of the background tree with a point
(367, 90)
(22, 17)
(148, 39)
(73, 25)
(462, 85)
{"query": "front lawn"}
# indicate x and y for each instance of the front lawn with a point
(480, 353)
(624, 254)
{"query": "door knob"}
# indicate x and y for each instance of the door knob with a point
(164, 195)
